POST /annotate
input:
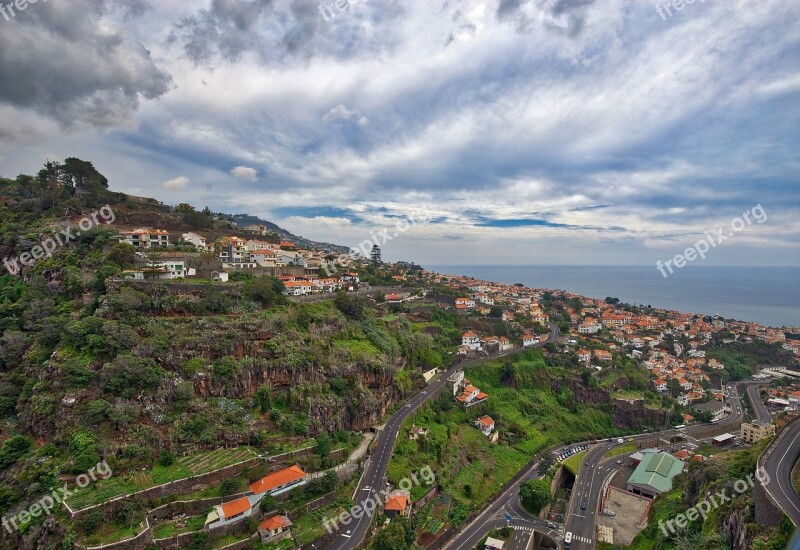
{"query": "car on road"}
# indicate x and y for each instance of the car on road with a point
(583, 505)
(551, 525)
(630, 440)
(619, 462)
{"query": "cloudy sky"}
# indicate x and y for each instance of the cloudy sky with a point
(517, 131)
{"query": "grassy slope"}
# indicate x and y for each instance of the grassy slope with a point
(529, 418)
(573, 464)
(712, 475)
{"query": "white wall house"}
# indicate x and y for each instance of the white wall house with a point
(198, 241)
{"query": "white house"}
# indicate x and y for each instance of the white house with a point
(529, 340)
(683, 399)
(457, 381)
(465, 303)
(229, 512)
(162, 269)
(584, 356)
(505, 344)
(483, 298)
(198, 241)
(297, 288)
(485, 424)
(589, 328)
(264, 257)
(471, 340)
(660, 385)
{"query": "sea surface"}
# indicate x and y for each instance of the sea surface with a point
(766, 295)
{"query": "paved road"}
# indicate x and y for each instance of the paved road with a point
(594, 471)
(588, 486)
(583, 502)
(783, 455)
(757, 404)
(373, 480)
(493, 515)
(780, 459)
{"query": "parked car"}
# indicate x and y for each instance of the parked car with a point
(583, 505)
(619, 462)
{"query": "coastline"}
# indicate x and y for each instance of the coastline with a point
(765, 295)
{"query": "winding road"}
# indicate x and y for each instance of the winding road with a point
(351, 535)
(587, 487)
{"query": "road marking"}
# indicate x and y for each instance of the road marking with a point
(783, 490)
(346, 536)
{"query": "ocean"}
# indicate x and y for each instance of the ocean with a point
(766, 295)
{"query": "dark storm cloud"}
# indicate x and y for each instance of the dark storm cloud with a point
(227, 28)
(64, 61)
(279, 31)
(507, 8)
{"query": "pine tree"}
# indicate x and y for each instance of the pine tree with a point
(375, 255)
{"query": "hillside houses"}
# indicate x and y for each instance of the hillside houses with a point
(273, 484)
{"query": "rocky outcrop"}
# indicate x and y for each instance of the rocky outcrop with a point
(735, 527)
(582, 393)
(632, 414)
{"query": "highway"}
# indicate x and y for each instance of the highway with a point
(780, 459)
(372, 482)
(588, 487)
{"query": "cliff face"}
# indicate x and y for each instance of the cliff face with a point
(326, 411)
(581, 393)
(295, 358)
(633, 414)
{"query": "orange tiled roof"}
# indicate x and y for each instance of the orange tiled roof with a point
(274, 522)
(235, 507)
(397, 503)
(486, 421)
(276, 479)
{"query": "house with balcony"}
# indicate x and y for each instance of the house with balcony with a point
(145, 238)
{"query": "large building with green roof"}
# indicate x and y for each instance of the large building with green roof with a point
(654, 474)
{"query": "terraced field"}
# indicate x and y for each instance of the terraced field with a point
(131, 482)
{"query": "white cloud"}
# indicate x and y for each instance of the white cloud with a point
(340, 112)
(245, 173)
(176, 183)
